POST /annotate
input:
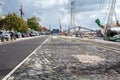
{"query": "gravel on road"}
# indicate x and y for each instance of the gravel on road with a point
(65, 58)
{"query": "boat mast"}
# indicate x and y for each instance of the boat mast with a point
(60, 25)
(72, 20)
(112, 14)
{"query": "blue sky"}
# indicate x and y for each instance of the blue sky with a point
(50, 11)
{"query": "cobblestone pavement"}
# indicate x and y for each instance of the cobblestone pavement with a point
(69, 59)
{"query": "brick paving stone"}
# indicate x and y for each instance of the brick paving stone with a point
(64, 58)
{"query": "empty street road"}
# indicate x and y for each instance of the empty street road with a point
(13, 53)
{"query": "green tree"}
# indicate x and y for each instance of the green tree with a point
(14, 22)
(22, 27)
(1, 23)
(33, 23)
(40, 28)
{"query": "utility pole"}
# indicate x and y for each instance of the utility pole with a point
(21, 12)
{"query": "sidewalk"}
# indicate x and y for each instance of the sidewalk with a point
(65, 58)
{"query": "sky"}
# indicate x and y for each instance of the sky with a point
(50, 11)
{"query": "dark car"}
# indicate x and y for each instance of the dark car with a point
(18, 35)
(12, 35)
(25, 34)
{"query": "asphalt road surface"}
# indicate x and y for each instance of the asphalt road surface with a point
(13, 53)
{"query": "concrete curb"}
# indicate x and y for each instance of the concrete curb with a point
(19, 39)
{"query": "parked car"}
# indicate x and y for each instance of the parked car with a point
(7, 36)
(37, 33)
(4, 36)
(2, 33)
(12, 35)
(32, 34)
(25, 34)
(18, 35)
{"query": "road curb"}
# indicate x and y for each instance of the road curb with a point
(17, 40)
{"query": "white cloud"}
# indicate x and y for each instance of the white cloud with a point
(93, 16)
(62, 1)
(39, 3)
(46, 3)
(50, 11)
(43, 3)
(62, 9)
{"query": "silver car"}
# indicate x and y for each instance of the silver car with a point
(4, 36)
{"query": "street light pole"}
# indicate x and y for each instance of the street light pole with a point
(21, 12)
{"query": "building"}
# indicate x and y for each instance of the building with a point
(55, 31)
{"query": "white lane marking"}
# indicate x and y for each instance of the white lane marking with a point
(10, 73)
